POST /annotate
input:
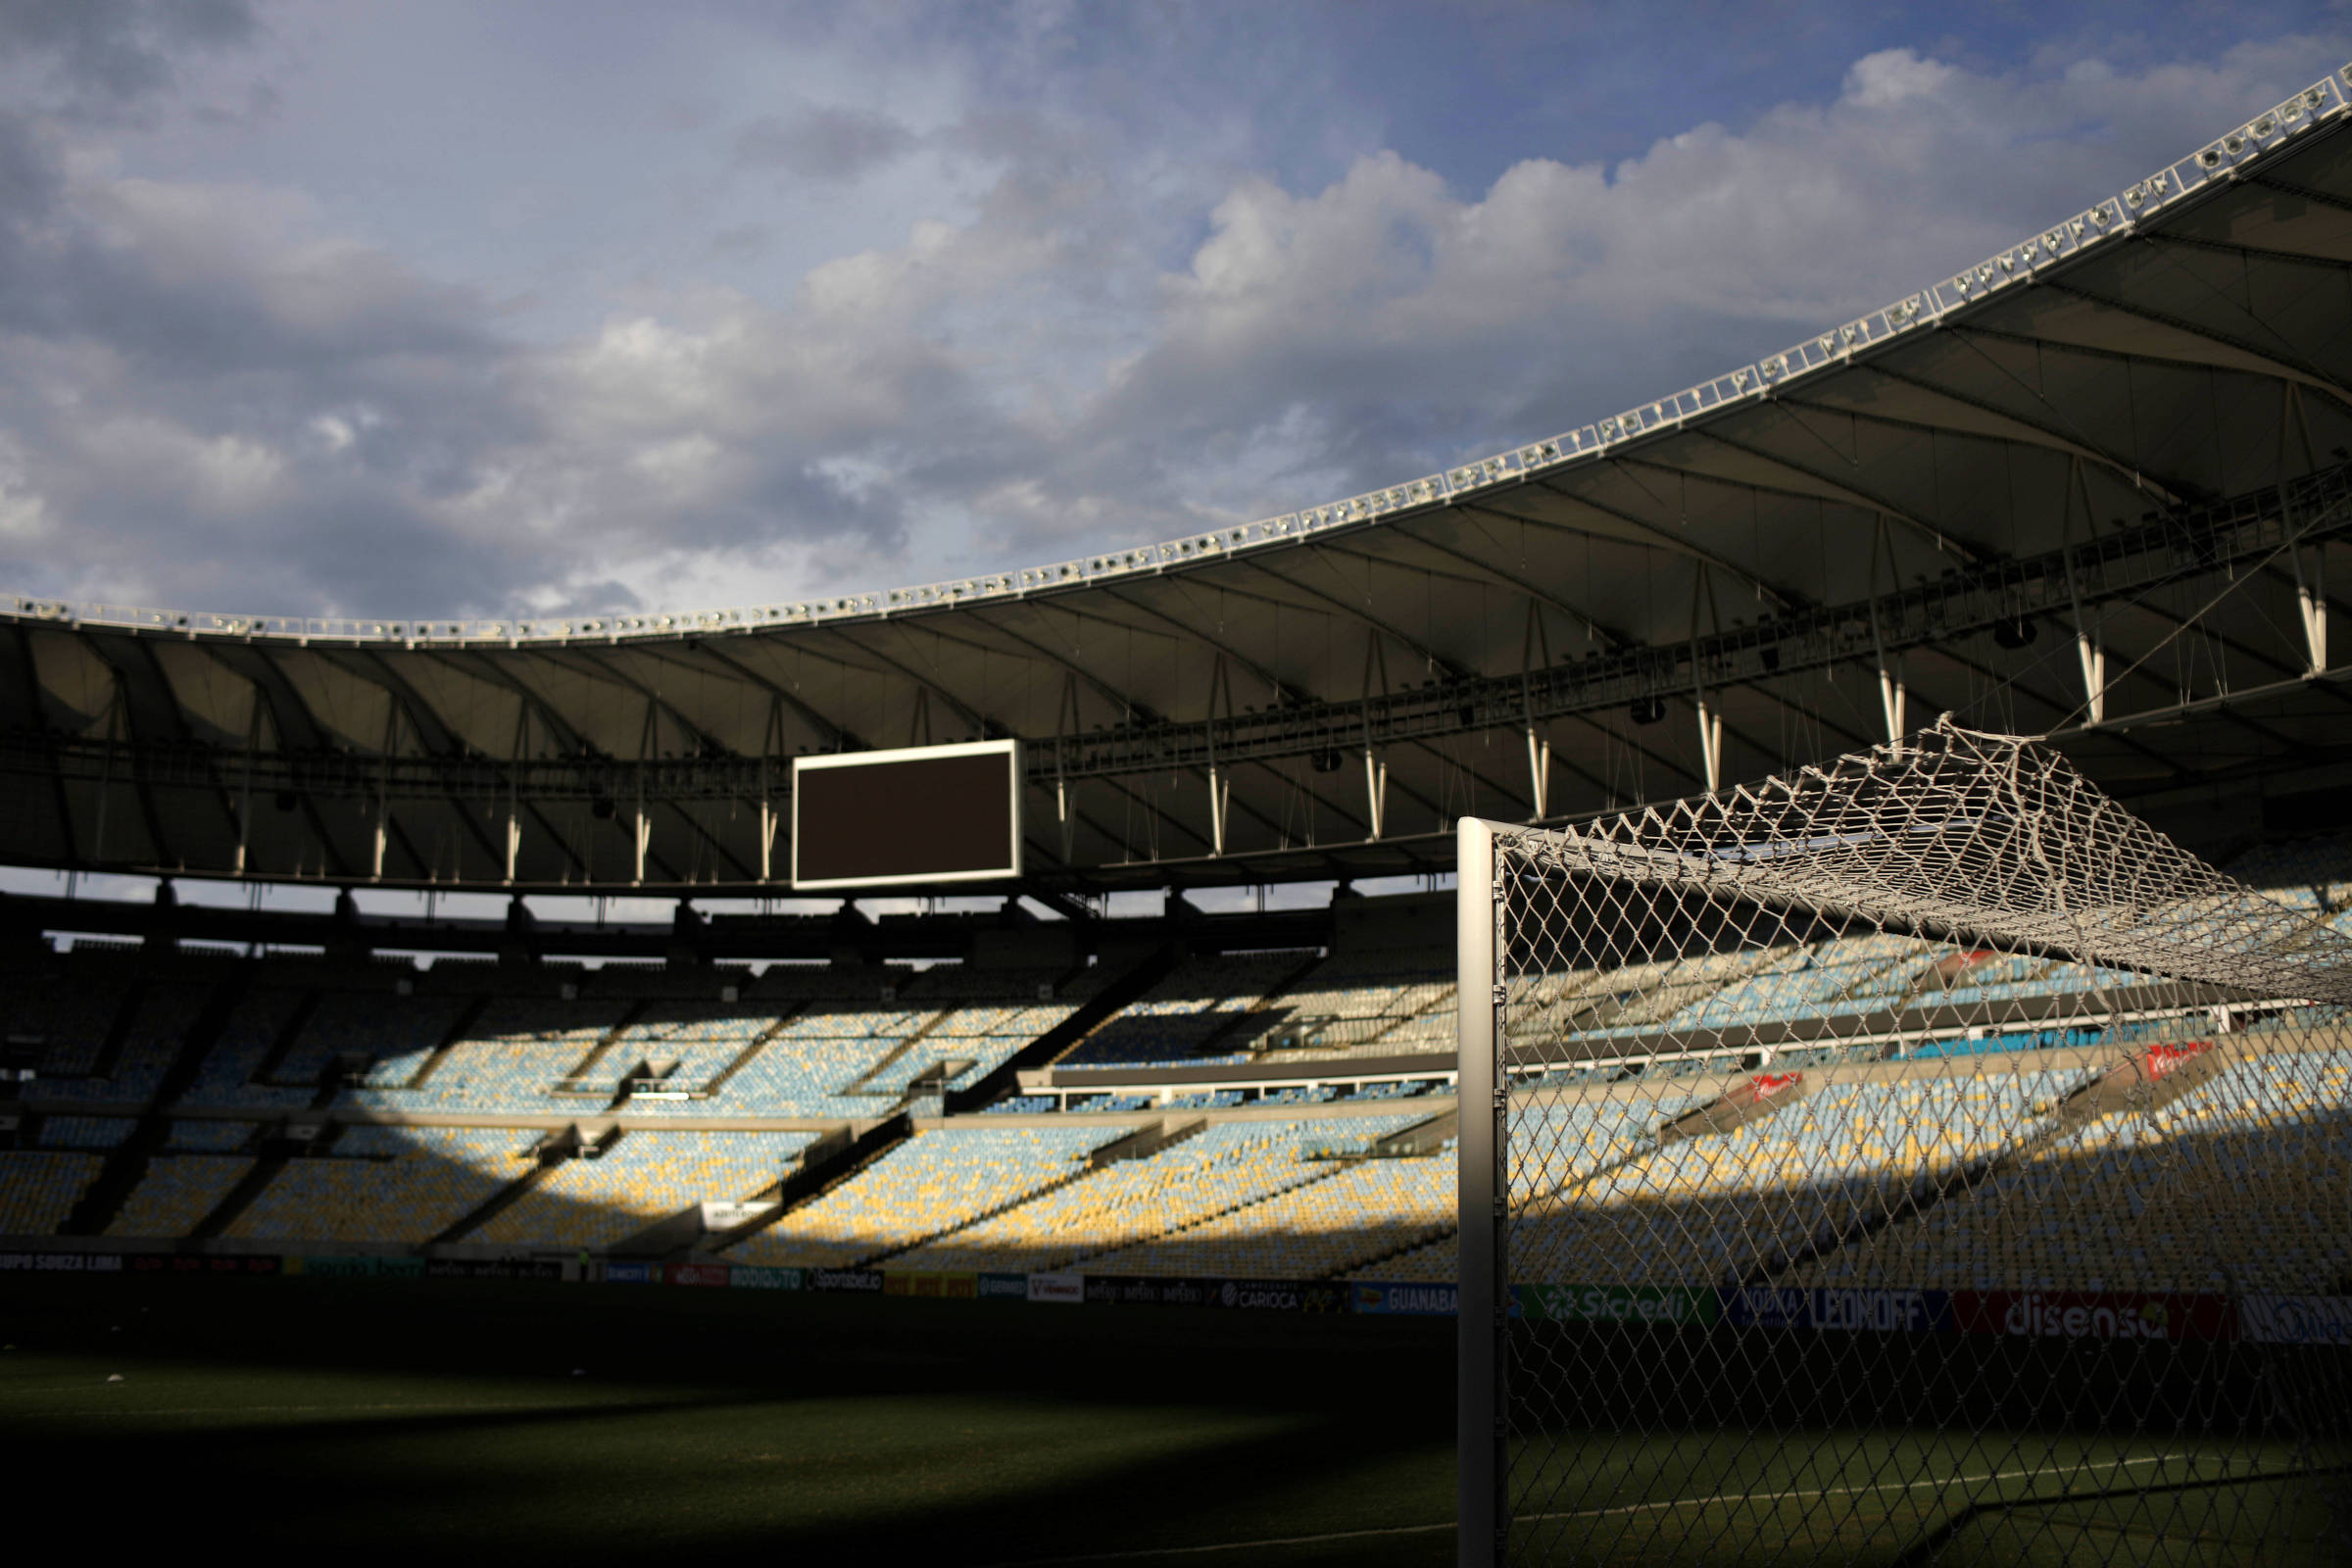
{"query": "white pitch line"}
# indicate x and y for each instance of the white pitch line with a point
(1580, 1513)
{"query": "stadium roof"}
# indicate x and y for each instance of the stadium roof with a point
(2094, 485)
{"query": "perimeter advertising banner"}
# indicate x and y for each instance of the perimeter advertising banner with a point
(1140, 1290)
(2296, 1319)
(695, 1274)
(358, 1268)
(2094, 1315)
(853, 1281)
(1001, 1287)
(1661, 1305)
(932, 1283)
(79, 1262)
(1404, 1299)
(750, 1277)
(502, 1268)
(1875, 1311)
(1058, 1290)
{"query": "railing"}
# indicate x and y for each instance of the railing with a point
(2219, 161)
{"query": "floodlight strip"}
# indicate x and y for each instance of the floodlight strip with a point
(2223, 160)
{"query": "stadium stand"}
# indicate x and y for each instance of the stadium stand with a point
(1225, 1167)
(839, 1043)
(1356, 1212)
(38, 1189)
(178, 1192)
(1211, 1009)
(644, 1177)
(384, 1183)
(935, 1182)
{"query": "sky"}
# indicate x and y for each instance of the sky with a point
(417, 309)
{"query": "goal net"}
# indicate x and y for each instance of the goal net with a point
(1916, 1158)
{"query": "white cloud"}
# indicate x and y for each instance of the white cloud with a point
(219, 393)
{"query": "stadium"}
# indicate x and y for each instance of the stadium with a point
(1904, 1143)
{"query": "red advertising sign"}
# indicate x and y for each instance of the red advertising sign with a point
(2164, 1059)
(2093, 1315)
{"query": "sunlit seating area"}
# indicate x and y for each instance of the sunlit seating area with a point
(1357, 1210)
(2254, 1166)
(934, 1182)
(644, 1177)
(1224, 1166)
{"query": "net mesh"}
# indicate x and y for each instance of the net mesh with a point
(1917, 1160)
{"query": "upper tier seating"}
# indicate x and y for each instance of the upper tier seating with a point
(160, 1016)
(1205, 1010)
(226, 1075)
(1378, 1005)
(507, 1059)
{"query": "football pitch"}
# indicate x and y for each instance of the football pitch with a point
(464, 1417)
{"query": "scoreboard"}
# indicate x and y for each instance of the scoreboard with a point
(896, 819)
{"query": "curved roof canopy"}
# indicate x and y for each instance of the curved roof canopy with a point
(2098, 484)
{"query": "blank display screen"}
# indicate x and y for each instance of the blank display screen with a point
(929, 815)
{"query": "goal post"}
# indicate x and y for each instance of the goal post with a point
(1915, 1159)
(1483, 1293)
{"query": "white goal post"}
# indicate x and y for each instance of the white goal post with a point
(1914, 1158)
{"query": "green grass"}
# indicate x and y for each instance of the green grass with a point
(379, 1418)
(446, 1415)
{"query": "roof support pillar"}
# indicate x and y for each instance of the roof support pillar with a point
(1539, 748)
(771, 752)
(1710, 742)
(252, 744)
(116, 724)
(2094, 656)
(641, 827)
(1891, 671)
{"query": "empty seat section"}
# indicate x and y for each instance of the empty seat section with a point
(936, 1180)
(1224, 1165)
(1389, 1003)
(87, 1132)
(1711, 1209)
(159, 1023)
(38, 1189)
(226, 1075)
(1355, 1211)
(1201, 1012)
(506, 1059)
(2241, 1184)
(176, 1191)
(386, 1184)
(378, 1036)
(646, 1176)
